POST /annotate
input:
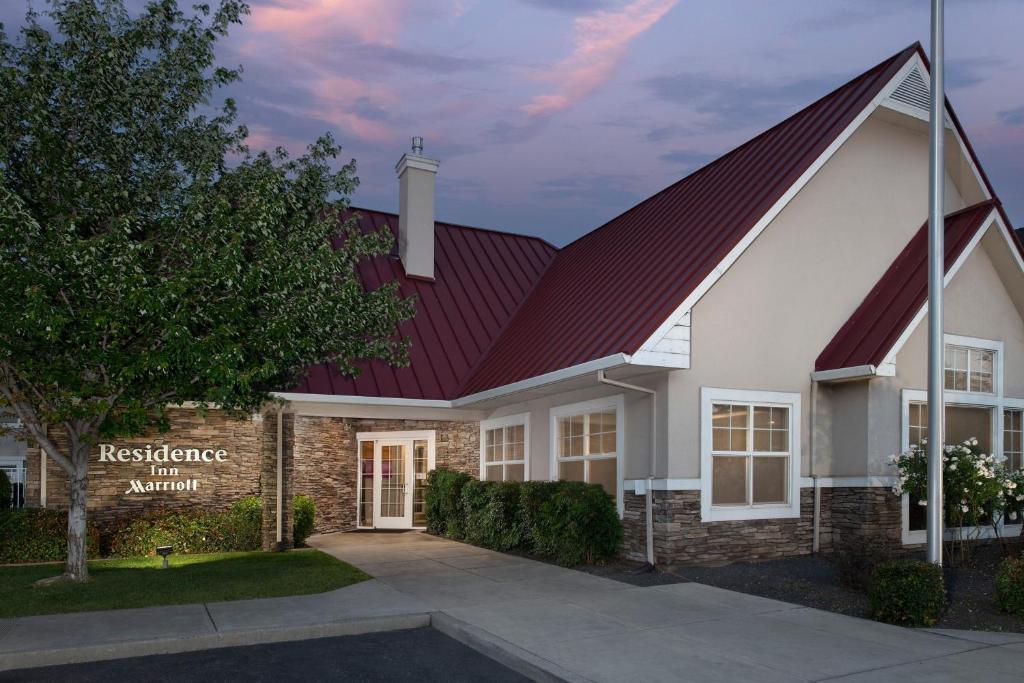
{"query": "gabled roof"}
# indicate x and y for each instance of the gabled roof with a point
(481, 277)
(869, 335)
(607, 292)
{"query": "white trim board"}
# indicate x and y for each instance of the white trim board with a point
(639, 486)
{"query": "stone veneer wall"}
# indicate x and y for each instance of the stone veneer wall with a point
(847, 514)
(326, 460)
(866, 512)
(218, 484)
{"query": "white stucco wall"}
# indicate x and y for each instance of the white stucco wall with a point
(762, 325)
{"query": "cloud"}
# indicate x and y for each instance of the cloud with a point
(729, 104)
(597, 189)
(569, 5)
(968, 71)
(662, 133)
(601, 40)
(305, 20)
(1012, 117)
(687, 158)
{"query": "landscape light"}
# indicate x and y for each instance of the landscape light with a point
(163, 551)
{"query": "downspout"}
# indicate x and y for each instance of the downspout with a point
(816, 539)
(649, 497)
(280, 476)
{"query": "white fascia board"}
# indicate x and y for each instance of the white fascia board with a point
(605, 363)
(719, 270)
(841, 374)
(661, 360)
(992, 218)
(364, 400)
(926, 74)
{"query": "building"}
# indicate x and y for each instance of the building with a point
(733, 359)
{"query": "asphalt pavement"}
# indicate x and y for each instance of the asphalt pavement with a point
(421, 654)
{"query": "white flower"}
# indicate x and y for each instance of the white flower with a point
(923, 503)
(964, 508)
(952, 468)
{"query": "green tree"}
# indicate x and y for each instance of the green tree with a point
(146, 257)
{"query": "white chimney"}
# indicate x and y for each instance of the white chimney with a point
(416, 175)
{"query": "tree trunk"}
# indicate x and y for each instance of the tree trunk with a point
(76, 568)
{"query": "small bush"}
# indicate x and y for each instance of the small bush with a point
(907, 593)
(1009, 594)
(39, 535)
(492, 514)
(577, 523)
(305, 517)
(191, 531)
(5, 491)
(443, 502)
(856, 558)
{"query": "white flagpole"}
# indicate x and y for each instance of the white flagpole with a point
(936, 275)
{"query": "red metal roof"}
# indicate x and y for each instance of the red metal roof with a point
(481, 276)
(608, 291)
(870, 333)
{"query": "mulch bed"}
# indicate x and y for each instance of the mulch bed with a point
(813, 581)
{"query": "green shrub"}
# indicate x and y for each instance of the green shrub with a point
(304, 516)
(907, 593)
(492, 514)
(191, 531)
(39, 535)
(5, 491)
(443, 502)
(855, 560)
(576, 523)
(533, 498)
(1010, 586)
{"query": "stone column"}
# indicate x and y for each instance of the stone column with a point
(271, 442)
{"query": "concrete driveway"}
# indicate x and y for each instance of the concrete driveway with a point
(579, 627)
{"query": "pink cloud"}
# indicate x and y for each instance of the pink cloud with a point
(601, 41)
(303, 20)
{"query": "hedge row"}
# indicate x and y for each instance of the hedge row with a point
(40, 535)
(567, 522)
(907, 593)
(1010, 586)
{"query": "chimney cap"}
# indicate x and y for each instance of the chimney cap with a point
(417, 145)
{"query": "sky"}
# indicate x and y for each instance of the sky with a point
(550, 117)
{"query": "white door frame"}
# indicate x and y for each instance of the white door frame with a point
(406, 440)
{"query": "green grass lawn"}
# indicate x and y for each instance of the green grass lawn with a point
(140, 582)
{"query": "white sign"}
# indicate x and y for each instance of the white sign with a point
(161, 454)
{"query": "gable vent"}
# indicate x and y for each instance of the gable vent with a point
(913, 91)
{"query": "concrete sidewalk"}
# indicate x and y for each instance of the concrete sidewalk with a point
(88, 636)
(563, 624)
(543, 621)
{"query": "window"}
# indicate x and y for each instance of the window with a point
(1012, 432)
(962, 423)
(748, 442)
(969, 369)
(504, 445)
(587, 443)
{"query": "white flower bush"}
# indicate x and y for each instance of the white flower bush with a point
(978, 489)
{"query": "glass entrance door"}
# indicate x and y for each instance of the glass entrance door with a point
(393, 484)
(393, 469)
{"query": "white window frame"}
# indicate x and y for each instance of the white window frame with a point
(996, 347)
(497, 423)
(994, 401)
(616, 402)
(775, 399)
(428, 435)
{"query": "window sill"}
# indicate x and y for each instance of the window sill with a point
(749, 513)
